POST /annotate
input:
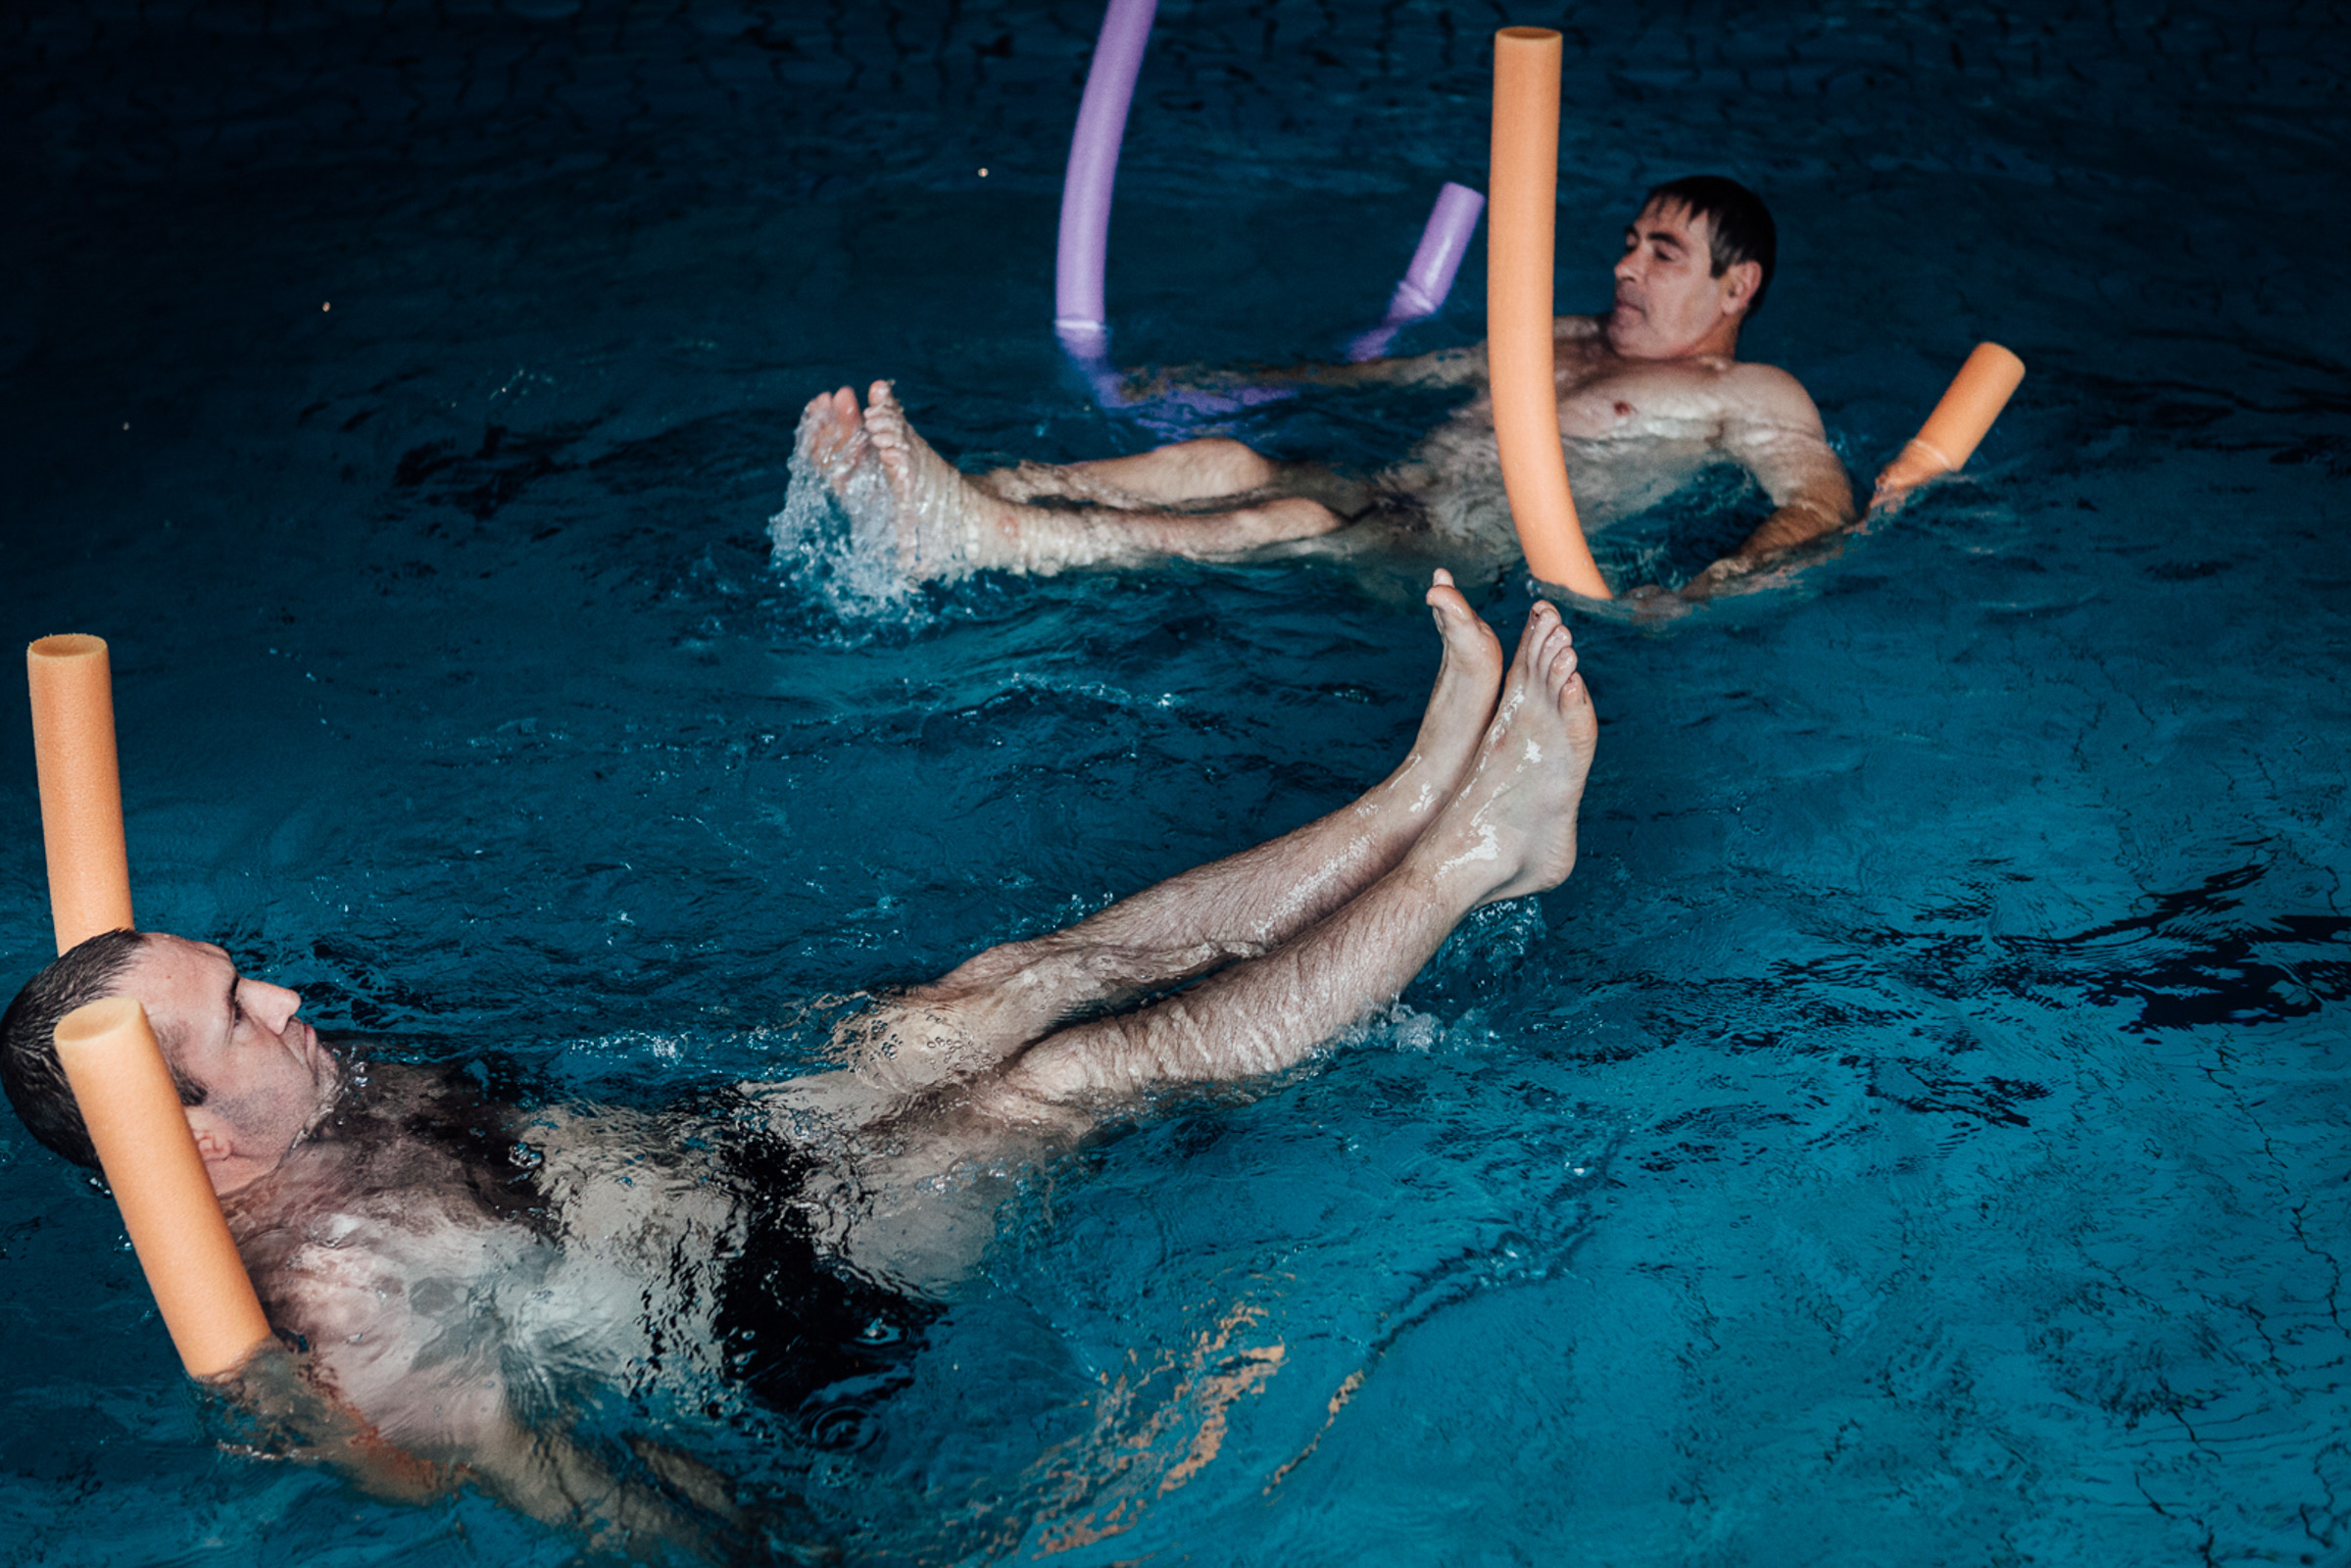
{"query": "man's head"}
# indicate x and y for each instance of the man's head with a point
(1697, 263)
(253, 1076)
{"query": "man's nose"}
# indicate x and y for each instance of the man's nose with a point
(273, 1004)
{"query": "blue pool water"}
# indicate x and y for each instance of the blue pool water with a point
(1919, 1133)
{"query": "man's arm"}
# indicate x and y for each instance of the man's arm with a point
(1444, 368)
(406, 1410)
(1773, 431)
(1463, 366)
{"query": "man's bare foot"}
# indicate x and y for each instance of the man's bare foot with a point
(831, 438)
(1460, 707)
(1510, 829)
(944, 524)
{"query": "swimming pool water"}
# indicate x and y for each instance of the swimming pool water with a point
(1918, 1134)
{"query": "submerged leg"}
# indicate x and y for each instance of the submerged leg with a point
(946, 524)
(1509, 829)
(1242, 906)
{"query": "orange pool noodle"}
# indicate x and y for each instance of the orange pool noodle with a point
(81, 790)
(1949, 438)
(1522, 196)
(134, 1116)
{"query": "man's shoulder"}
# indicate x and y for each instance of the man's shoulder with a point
(1765, 391)
(1759, 377)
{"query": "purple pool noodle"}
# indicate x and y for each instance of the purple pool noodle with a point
(1444, 241)
(1443, 244)
(1078, 312)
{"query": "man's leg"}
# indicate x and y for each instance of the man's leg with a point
(1508, 830)
(946, 524)
(1244, 905)
(914, 1210)
(1182, 473)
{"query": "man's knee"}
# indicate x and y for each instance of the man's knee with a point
(1284, 519)
(1224, 466)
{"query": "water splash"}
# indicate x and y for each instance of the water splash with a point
(848, 568)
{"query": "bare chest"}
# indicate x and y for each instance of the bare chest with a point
(1603, 398)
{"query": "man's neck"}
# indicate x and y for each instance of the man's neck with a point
(1720, 344)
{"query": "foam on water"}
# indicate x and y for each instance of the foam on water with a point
(831, 558)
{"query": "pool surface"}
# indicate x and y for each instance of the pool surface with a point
(1920, 1132)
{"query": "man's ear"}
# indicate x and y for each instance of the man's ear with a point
(216, 1143)
(1741, 280)
(211, 1136)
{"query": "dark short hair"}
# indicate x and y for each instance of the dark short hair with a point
(28, 1067)
(1738, 226)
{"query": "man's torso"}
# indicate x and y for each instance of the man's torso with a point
(1632, 431)
(779, 1240)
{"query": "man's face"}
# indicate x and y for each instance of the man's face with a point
(1669, 303)
(264, 1074)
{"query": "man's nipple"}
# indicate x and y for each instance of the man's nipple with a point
(1624, 410)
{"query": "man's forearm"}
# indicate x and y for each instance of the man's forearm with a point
(1799, 522)
(541, 1472)
(1444, 368)
(548, 1475)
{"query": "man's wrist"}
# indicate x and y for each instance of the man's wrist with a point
(1707, 583)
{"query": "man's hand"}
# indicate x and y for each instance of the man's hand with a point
(1653, 604)
(1893, 489)
(1729, 575)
